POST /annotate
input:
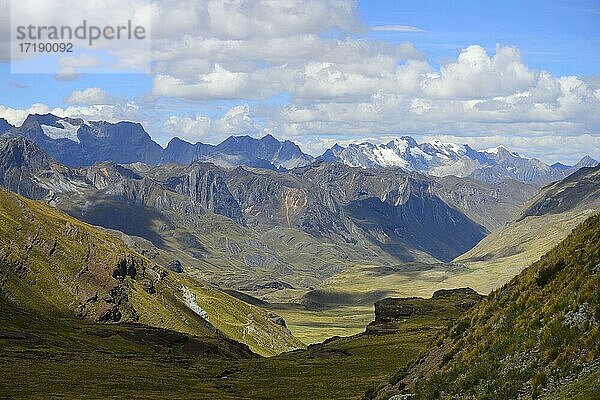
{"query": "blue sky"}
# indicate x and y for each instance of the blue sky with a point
(432, 53)
(562, 37)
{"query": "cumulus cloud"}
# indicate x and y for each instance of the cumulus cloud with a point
(474, 95)
(219, 84)
(90, 96)
(237, 121)
(477, 75)
(247, 19)
(191, 128)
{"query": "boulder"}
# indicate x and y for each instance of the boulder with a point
(175, 266)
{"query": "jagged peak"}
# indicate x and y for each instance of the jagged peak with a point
(17, 150)
(175, 140)
(587, 161)
(270, 137)
(502, 150)
(51, 119)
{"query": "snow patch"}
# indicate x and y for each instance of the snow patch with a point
(68, 131)
(190, 300)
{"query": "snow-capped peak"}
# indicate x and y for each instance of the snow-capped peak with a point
(500, 149)
(440, 159)
(448, 149)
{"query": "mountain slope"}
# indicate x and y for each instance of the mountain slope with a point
(490, 205)
(546, 220)
(55, 265)
(280, 235)
(27, 170)
(4, 126)
(534, 335)
(379, 211)
(381, 207)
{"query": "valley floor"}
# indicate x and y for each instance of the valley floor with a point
(343, 306)
(67, 358)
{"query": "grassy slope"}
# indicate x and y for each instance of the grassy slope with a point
(46, 351)
(312, 326)
(543, 223)
(72, 358)
(511, 248)
(66, 358)
(52, 263)
(519, 340)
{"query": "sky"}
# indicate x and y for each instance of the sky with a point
(524, 74)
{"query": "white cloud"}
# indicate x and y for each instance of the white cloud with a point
(477, 75)
(236, 121)
(90, 96)
(219, 83)
(475, 95)
(191, 128)
(396, 28)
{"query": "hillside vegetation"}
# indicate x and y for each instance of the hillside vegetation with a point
(52, 264)
(537, 334)
(65, 357)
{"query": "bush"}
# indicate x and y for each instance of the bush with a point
(545, 275)
(460, 328)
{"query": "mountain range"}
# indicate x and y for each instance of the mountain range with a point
(175, 275)
(381, 212)
(443, 159)
(79, 143)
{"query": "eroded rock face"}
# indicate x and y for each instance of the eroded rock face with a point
(390, 309)
(125, 267)
(205, 185)
(277, 285)
(277, 319)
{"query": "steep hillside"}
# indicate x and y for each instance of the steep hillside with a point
(27, 170)
(54, 265)
(490, 205)
(579, 191)
(544, 221)
(4, 126)
(536, 334)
